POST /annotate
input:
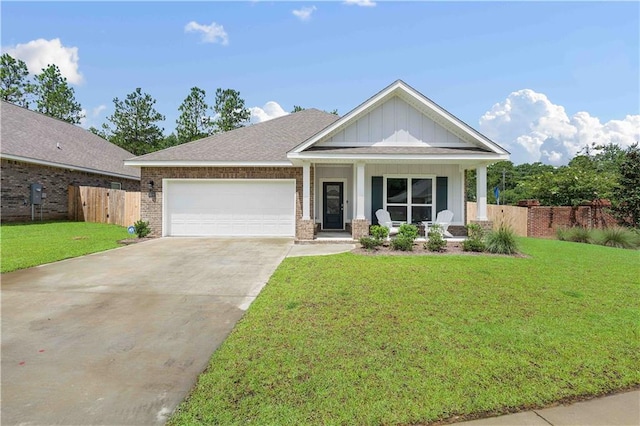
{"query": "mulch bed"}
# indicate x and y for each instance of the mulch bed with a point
(419, 250)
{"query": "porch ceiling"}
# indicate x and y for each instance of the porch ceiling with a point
(467, 158)
(394, 150)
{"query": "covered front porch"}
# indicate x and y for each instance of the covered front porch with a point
(339, 200)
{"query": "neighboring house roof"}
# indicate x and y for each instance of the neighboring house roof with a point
(36, 138)
(263, 143)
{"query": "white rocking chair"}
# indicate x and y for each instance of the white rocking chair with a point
(384, 219)
(444, 219)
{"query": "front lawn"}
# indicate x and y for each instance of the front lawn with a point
(26, 245)
(351, 339)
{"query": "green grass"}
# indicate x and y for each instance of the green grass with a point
(26, 245)
(373, 340)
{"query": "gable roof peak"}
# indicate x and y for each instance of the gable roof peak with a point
(418, 99)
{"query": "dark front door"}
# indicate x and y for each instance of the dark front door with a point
(332, 216)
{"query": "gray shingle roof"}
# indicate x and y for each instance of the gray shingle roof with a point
(266, 141)
(34, 136)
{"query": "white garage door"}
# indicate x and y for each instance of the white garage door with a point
(203, 207)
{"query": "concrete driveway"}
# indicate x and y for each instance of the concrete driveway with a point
(120, 337)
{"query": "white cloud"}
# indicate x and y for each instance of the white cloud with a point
(304, 14)
(363, 3)
(213, 33)
(98, 110)
(89, 120)
(269, 111)
(534, 129)
(41, 53)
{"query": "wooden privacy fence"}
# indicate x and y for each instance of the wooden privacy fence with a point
(516, 217)
(103, 205)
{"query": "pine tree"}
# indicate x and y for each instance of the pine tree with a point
(54, 96)
(193, 122)
(134, 121)
(230, 110)
(15, 86)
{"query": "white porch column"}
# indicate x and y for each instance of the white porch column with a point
(360, 191)
(306, 191)
(481, 192)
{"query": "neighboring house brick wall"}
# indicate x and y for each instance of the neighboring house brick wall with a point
(151, 205)
(543, 221)
(17, 177)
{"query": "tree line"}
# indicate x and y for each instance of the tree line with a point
(134, 122)
(597, 172)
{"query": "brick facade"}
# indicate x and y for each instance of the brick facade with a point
(17, 177)
(359, 228)
(486, 225)
(305, 229)
(151, 204)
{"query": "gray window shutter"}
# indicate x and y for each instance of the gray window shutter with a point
(376, 197)
(442, 190)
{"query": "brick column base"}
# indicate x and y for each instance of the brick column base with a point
(305, 229)
(359, 228)
(487, 225)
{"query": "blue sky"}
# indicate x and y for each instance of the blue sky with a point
(540, 78)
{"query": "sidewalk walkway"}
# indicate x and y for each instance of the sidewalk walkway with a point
(616, 410)
(299, 250)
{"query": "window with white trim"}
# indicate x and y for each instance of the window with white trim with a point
(410, 199)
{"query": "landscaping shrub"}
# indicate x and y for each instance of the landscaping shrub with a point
(475, 237)
(142, 228)
(616, 237)
(578, 234)
(502, 241)
(409, 231)
(562, 233)
(436, 242)
(402, 242)
(379, 232)
(473, 245)
(475, 231)
(405, 238)
(370, 243)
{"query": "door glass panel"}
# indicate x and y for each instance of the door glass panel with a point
(396, 190)
(332, 205)
(398, 213)
(420, 214)
(421, 191)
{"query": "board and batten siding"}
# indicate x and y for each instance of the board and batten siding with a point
(455, 190)
(325, 173)
(395, 123)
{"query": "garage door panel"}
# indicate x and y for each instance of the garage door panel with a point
(229, 208)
